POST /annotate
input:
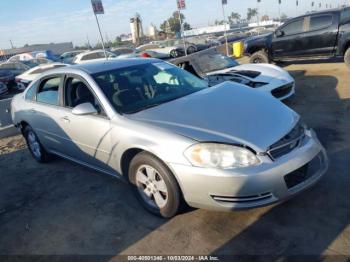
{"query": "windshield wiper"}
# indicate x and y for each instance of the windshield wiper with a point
(143, 108)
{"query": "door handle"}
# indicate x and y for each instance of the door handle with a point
(65, 119)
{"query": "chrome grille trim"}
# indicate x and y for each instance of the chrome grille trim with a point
(242, 199)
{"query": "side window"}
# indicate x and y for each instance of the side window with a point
(102, 55)
(31, 92)
(76, 92)
(320, 22)
(90, 56)
(295, 27)
(345, 15)
(48, 91)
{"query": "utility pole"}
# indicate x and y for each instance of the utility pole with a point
(223, 3)
(88, 41)
(98, 9)
(181, 5)
(279, 10)
(103, 45)
(257, 12)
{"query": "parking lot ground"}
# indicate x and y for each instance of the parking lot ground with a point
(62, 208)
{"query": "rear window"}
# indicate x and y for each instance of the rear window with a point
(320, 22)
(41, 70)
(93, 56)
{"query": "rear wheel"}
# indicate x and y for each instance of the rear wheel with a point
(259, 57)
(191, 50)
(174, 53)
(154, 185)
(347, 57)
(34, 146)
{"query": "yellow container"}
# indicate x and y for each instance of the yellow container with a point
(238, 49)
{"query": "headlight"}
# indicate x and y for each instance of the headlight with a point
(220, 156)
(245, 46)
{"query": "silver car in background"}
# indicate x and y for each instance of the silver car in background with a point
(171, 136)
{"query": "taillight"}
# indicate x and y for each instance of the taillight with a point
(145, 54)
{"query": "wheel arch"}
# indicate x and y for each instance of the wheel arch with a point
(346, 47)
(22, 125)
(130, 153)
(126, 159)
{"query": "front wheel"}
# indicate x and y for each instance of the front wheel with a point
(259, 57)
(347, 58)
(154, 185)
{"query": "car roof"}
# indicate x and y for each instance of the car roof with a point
(327, 11)
(106, 65)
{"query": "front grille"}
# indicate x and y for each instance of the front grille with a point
(288, 143)
(296, 177)
(306, 172)
(283, 90)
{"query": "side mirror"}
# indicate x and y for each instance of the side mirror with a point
(84, 109)
(279, 33)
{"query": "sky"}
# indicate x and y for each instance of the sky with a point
(52, 21)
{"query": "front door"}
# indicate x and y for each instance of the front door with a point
(289, 43)
(88, 135)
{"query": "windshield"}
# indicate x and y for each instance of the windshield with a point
(30, 63)
(214, 62)
(139, 87)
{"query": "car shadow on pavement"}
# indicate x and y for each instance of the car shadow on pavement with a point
(310, 223)
(62, 208)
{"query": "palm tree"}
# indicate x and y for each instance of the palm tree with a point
(234, 17)
(251, 13)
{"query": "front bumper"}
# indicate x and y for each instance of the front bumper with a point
(257, 186)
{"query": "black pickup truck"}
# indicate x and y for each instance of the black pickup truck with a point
(312, 36)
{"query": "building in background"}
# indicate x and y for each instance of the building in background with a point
(207, 30)
(57, 49)
(136, 29)
(153, 32)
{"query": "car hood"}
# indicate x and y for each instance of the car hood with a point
(258, 37)
(257, 72)
(226, 113)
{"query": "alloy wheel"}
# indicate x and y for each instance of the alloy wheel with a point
(151, 186)
(33, 144)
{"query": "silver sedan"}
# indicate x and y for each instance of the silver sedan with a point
(169, 135)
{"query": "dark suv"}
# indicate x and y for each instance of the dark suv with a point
(312, 36)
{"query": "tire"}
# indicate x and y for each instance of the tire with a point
(259, 57)
(154, 185)
(35, 147)
(347, 58)
(191, 50)
(174, 53)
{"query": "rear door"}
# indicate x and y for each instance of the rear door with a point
(45, 112)
(290, 43)
(321, 34)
